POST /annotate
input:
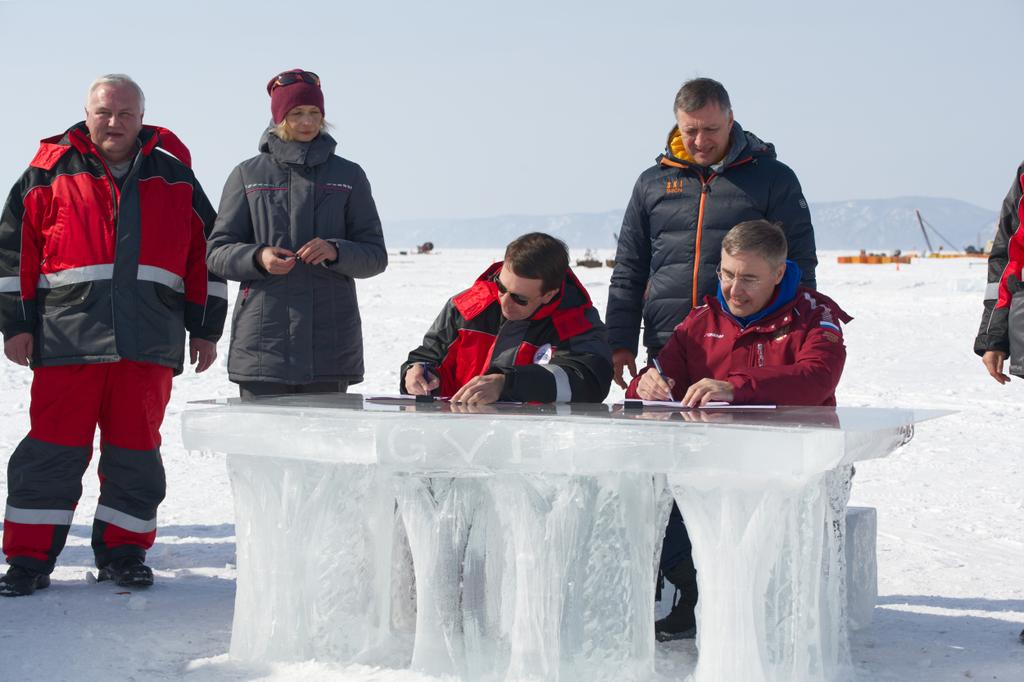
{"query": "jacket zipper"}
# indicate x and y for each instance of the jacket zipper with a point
(705, 189)
(760, 355)
(113, 280)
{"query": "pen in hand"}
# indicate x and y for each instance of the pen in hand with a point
(661, 373)
(423, 383)
(427, 373)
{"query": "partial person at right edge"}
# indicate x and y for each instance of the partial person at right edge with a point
(764, 339)
(297, 224)
(1001, 334)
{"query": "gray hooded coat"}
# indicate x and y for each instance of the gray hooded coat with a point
(302, 327)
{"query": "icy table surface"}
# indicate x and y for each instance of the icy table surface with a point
(444, 439)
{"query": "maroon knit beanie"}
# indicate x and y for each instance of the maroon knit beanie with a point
(295, 91)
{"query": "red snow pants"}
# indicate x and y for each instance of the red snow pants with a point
(44, 476)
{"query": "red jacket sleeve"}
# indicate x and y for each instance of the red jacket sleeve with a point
(672, 359)
(21, 245)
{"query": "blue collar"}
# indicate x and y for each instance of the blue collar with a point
(784, 293)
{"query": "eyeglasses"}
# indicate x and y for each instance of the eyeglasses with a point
(516, 298)
(289, 77)
(747, 281)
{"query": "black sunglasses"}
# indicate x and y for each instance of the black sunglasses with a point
(289, 77)
(516, 298)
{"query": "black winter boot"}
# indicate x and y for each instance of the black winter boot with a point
(21, 582)
(681, 622)
(127, 571)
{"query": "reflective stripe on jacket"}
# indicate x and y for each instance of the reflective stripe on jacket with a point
(98, 271)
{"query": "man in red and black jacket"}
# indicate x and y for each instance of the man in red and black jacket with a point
(1002, 322)
(764, 339)
(525, 331)
(102, 272)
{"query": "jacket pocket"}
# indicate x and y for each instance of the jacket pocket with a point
(160, 323)
(52, 301)
(74, 321)
(174, 300)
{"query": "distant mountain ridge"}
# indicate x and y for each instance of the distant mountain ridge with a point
(872, 224)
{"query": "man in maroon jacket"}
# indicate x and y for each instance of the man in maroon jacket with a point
(762, 339)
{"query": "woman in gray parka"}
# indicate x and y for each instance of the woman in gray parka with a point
(297, 224)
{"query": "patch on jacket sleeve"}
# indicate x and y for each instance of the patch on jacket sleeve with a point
(835, 332)
(827, 319)
(48, 155)
(543, 355)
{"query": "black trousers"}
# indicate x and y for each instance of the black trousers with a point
(253, 389)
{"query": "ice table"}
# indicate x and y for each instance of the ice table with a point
(534, 531)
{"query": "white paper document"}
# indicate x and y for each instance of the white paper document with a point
(713, 405)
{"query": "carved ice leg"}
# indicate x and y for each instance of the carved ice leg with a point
(436, 513)
(487, 588)
(736, 535)
(836, 661)
(806, 632)
(579, 553)
(609, 614)
(770, 574)
(314, 544)
(403, 580)
(541, 519)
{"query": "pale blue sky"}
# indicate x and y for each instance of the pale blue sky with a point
(462, 109)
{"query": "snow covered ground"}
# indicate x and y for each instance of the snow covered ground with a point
(950, 504)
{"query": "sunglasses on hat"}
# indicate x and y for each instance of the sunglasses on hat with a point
(289, 77)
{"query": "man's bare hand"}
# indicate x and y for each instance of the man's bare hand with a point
(623, 358)
(201, 353)
(481, 390)
(993, 360)
(18, 349)
(316, 251)
(706, 390)
(653, 387)
(420, 381)
(276, 260)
